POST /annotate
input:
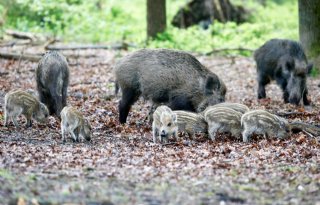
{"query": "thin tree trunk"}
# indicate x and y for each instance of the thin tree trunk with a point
(309, 29)
(156, 17)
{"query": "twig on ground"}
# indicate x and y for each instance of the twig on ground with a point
(123, 46)
(17, 56)
(228, 49)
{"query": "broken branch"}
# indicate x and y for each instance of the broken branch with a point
(228, 49)
(17, 56)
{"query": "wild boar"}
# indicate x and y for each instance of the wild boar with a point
(52, 76)
(191, 123)
(263, 122)
(284, 61)
(174, 78)
(235, 106)
(73, 122)
(164, 124)
(223, 119)
(20, 102)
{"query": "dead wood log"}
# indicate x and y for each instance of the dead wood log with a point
(15, 43)
(17, 56)
(120, 46)
(21, 35)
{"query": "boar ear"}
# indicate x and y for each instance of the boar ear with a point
(309, 67)
(212, 83)
(174, 117)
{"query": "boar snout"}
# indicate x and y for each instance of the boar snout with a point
(163, 133)
(296, 87)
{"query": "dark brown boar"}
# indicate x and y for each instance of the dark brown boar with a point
(284, 61)
(173, 78)
(52, 76)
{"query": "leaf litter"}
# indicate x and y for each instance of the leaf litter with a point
(121, 165)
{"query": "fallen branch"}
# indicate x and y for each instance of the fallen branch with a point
(15, 43)
(284, 114)
(305, 127)
(21, 35)
(308, 134)
(17, 56)
(123, 46)
(228, 49)
(4, 73)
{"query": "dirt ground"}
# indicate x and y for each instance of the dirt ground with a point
(121, 165)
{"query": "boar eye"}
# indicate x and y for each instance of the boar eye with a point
(169, 124)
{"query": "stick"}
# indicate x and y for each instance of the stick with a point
(307, 133)
(17, 56)
(21, 35)
(14, 43)
(82, 47)
(228, 49)
(283, 114)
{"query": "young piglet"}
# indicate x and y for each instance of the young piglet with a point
(72, 121)
(263, 122)
(190, 123)
(223, 119)
(19, 102)
(235, 106)
(164, 124)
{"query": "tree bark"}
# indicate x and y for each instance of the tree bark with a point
(156, 17)
(309, 29)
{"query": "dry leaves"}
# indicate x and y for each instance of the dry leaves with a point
(122, 166)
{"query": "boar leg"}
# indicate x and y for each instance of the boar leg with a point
(46, 99)
(263, 80)
(305, 98)
(57, 100)
(6, 118)
(175, 134)
(76, 132)
(29, 122)
(74, 137)
(283, 84)
(14, 115)
(129, 96)
(64, 94)
(63, 132)
(154, 133)
(245, 135)
(213, 128)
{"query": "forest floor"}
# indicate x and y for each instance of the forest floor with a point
(121, 165)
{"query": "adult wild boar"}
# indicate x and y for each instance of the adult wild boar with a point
(174, 78)
(52, 76)
(284, 61)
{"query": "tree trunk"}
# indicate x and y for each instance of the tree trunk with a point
(309, 29)
(156, 17)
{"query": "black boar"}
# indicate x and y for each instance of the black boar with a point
(285, 62)
(52, 76)
(174, 78)
(19, 102)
